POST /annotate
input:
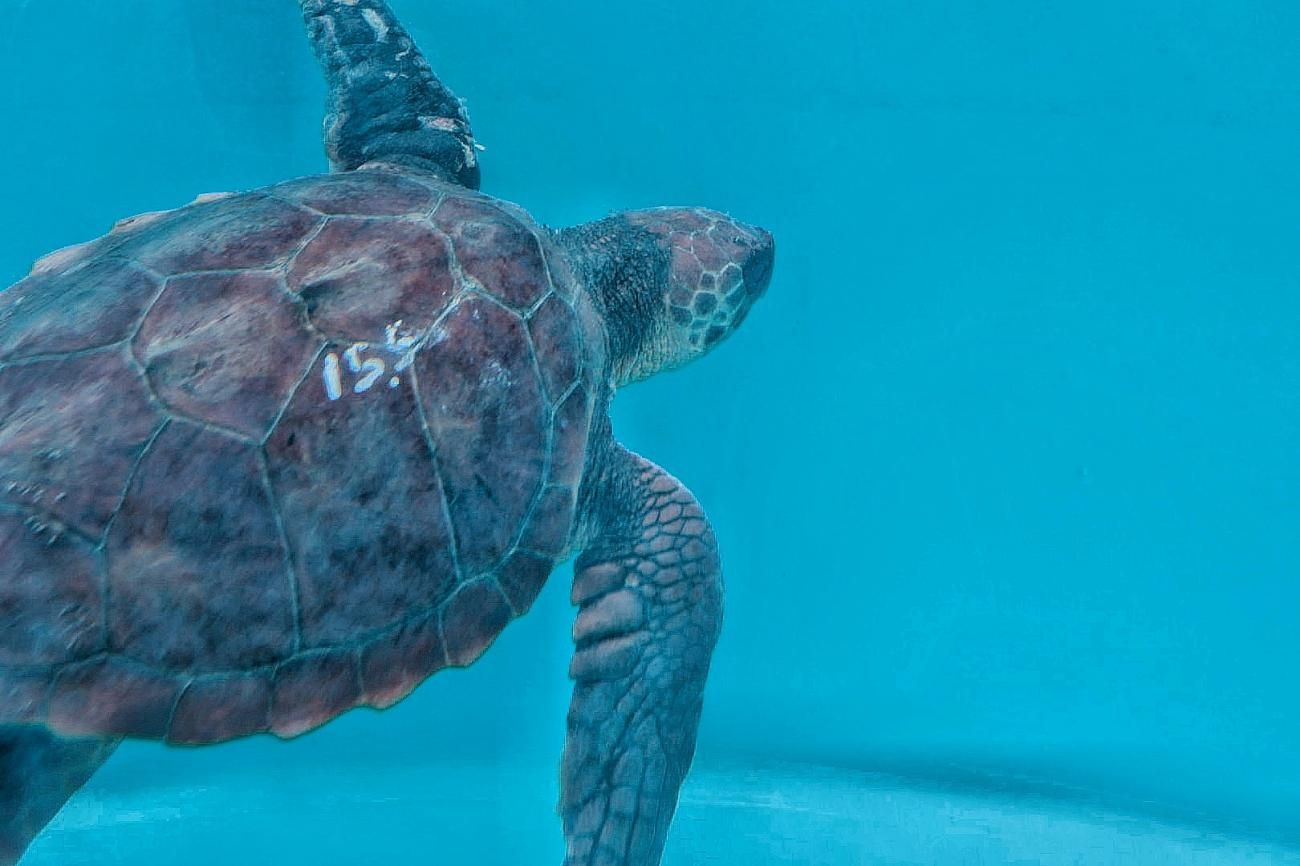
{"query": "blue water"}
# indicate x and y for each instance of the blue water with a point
(1004, 466)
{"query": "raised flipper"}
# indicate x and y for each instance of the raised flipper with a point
(38, 773)
(650, 590)
(385, 103)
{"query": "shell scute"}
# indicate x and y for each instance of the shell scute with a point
(194, 551)
(569, 426)
(362, 507)
(358, 277)
(393, 666)
(556, 340)
(49, 314)
(496, 250)
(547, 530)
(111, 696)
(70, 432)
(312, 689)
(473, 618)
(362, 193)
(522, 577)
(235, 233)
(51, 597)
(216, 708)
(63, 260)
(225, 348)
(484, 407)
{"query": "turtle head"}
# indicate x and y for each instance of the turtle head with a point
(673, 282)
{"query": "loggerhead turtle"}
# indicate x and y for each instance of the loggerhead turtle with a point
(278, 454)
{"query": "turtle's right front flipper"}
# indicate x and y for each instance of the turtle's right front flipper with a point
(650, 589)
(385, 103)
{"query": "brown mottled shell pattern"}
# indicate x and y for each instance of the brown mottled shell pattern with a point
(279, 454)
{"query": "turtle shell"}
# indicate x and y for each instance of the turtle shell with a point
(283, 453)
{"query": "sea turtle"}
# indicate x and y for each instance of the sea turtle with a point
(279, 454)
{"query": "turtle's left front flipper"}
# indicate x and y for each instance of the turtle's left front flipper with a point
(385, 103)
(650, 590)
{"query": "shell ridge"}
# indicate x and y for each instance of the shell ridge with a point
(163, 281)
(288, 264)
(274, 196)
(293, 392)
(126, 488)
(464, 282)
(432, 446)
(290, 563)
(142, 373)
(104, 582)
(548, 426)
(60, 356)
(171, 714)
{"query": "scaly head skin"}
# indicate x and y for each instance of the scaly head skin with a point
(673, 282)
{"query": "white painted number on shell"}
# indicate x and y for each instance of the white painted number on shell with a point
(333, 378)
(368, 370)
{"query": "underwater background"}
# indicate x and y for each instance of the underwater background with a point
(1005, 466)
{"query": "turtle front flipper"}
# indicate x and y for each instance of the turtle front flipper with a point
(385, 103)
(650, 591)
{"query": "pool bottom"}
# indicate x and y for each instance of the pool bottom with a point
(498, 815)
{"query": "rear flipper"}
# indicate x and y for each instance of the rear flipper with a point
(38, 773)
